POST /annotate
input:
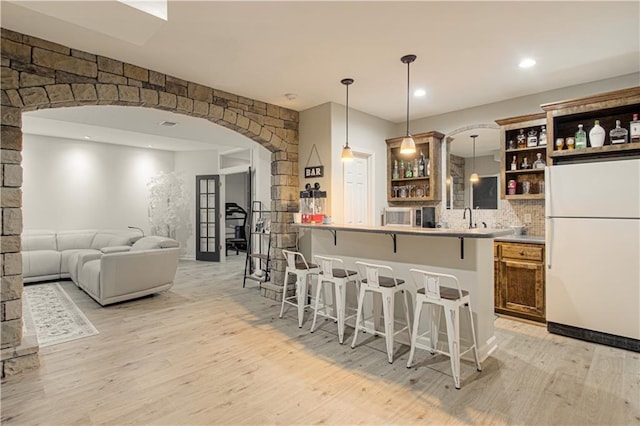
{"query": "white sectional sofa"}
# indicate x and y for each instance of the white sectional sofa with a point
(110, 266)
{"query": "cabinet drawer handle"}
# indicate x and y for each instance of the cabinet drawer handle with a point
(522, 253)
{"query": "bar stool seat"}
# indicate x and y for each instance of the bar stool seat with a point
(451, 300)
(333, 271)
(297, 265)
(387, 286)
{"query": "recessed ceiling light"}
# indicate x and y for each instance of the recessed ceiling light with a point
(168, 123)
(527, 63)
(87, 137)
(419, 93)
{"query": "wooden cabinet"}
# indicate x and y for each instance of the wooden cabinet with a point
(407, 190)
(510, 153)
(564, 117)
(519, 280)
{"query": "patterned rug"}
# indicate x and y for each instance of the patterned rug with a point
(56, 319)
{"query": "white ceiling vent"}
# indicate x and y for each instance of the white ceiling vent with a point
(168, 123)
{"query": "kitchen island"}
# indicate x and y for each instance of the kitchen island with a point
(465, 253)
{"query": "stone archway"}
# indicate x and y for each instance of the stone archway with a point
(40, 74)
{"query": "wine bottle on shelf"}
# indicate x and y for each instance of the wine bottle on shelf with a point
(415, 168)
(618, 134)
(542, 140)
(394, 173)
(596, 135)
(581, 138)
(408, 171)
(522, 139)
(525, 164)
(634, 129)
(401, 170)
(514, 163)
(421, 165)
(532, 138)
(427, 171)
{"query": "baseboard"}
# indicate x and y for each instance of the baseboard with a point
(606, 339)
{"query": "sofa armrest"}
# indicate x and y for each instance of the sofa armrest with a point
(87, 257)
(115, 249)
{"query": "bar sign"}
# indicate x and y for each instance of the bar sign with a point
(313, 172)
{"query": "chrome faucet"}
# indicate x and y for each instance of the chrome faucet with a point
(464, 216)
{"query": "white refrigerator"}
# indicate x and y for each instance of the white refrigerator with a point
(593, 247)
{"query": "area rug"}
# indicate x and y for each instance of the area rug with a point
(56, 319)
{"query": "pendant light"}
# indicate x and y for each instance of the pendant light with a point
(474, 176)
(408, 145)
(347, 154)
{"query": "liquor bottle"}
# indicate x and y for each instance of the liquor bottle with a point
(539, 163)
(522, 139)
(408, 171)
(401, 170)
(532, 139)
(394, 173)
(581, 138)
(596, 135)
(421, 165)
(514, 164)
(415, 168)
(542, 140)
(618, 134)
(525, 164)
(427, 170)
(634, 129)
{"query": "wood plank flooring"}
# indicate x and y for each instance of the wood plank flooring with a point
(210, 352)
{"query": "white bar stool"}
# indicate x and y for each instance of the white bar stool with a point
(298, 266)
(332, 270)
(372, 281)
(451, 299)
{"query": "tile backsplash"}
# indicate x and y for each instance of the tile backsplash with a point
(510, 213)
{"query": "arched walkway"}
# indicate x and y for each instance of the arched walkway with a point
(40, 74)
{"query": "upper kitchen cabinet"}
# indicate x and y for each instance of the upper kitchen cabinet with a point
(523, 156)
(564, 119)
(414, 178)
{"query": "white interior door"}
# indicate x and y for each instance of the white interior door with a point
(356, 191)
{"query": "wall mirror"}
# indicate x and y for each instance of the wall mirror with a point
(460, 192)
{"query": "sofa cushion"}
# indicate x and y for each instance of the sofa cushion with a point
(69, 261)
(69, 240)
(154, 242)
(39, 240)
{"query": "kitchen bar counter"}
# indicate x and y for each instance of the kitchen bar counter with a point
(467, 254)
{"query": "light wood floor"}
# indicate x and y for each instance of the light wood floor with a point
(210, 352)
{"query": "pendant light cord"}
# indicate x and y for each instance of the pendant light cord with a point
(408, 66)
(347, 124)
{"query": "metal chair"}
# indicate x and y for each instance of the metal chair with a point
(387, 286)
(451, 299)
(333, 271)
(298, 266)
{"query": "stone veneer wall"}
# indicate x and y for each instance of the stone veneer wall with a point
(36, 74)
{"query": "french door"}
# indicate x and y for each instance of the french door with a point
(208, 243)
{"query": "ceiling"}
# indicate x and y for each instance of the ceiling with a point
(468, 52)
(134, 126)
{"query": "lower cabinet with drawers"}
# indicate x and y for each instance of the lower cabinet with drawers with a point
(519, 280)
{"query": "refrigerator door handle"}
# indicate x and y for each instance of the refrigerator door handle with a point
(549, 248)
(547, 189)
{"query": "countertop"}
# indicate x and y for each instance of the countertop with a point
(408, 230)
(522, 239)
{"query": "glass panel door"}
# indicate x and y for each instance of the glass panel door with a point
(207, 208)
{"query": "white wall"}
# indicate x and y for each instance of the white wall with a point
(488, 113)
(316, 128)
(191, 164)
(367, 135)
(71, 184)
